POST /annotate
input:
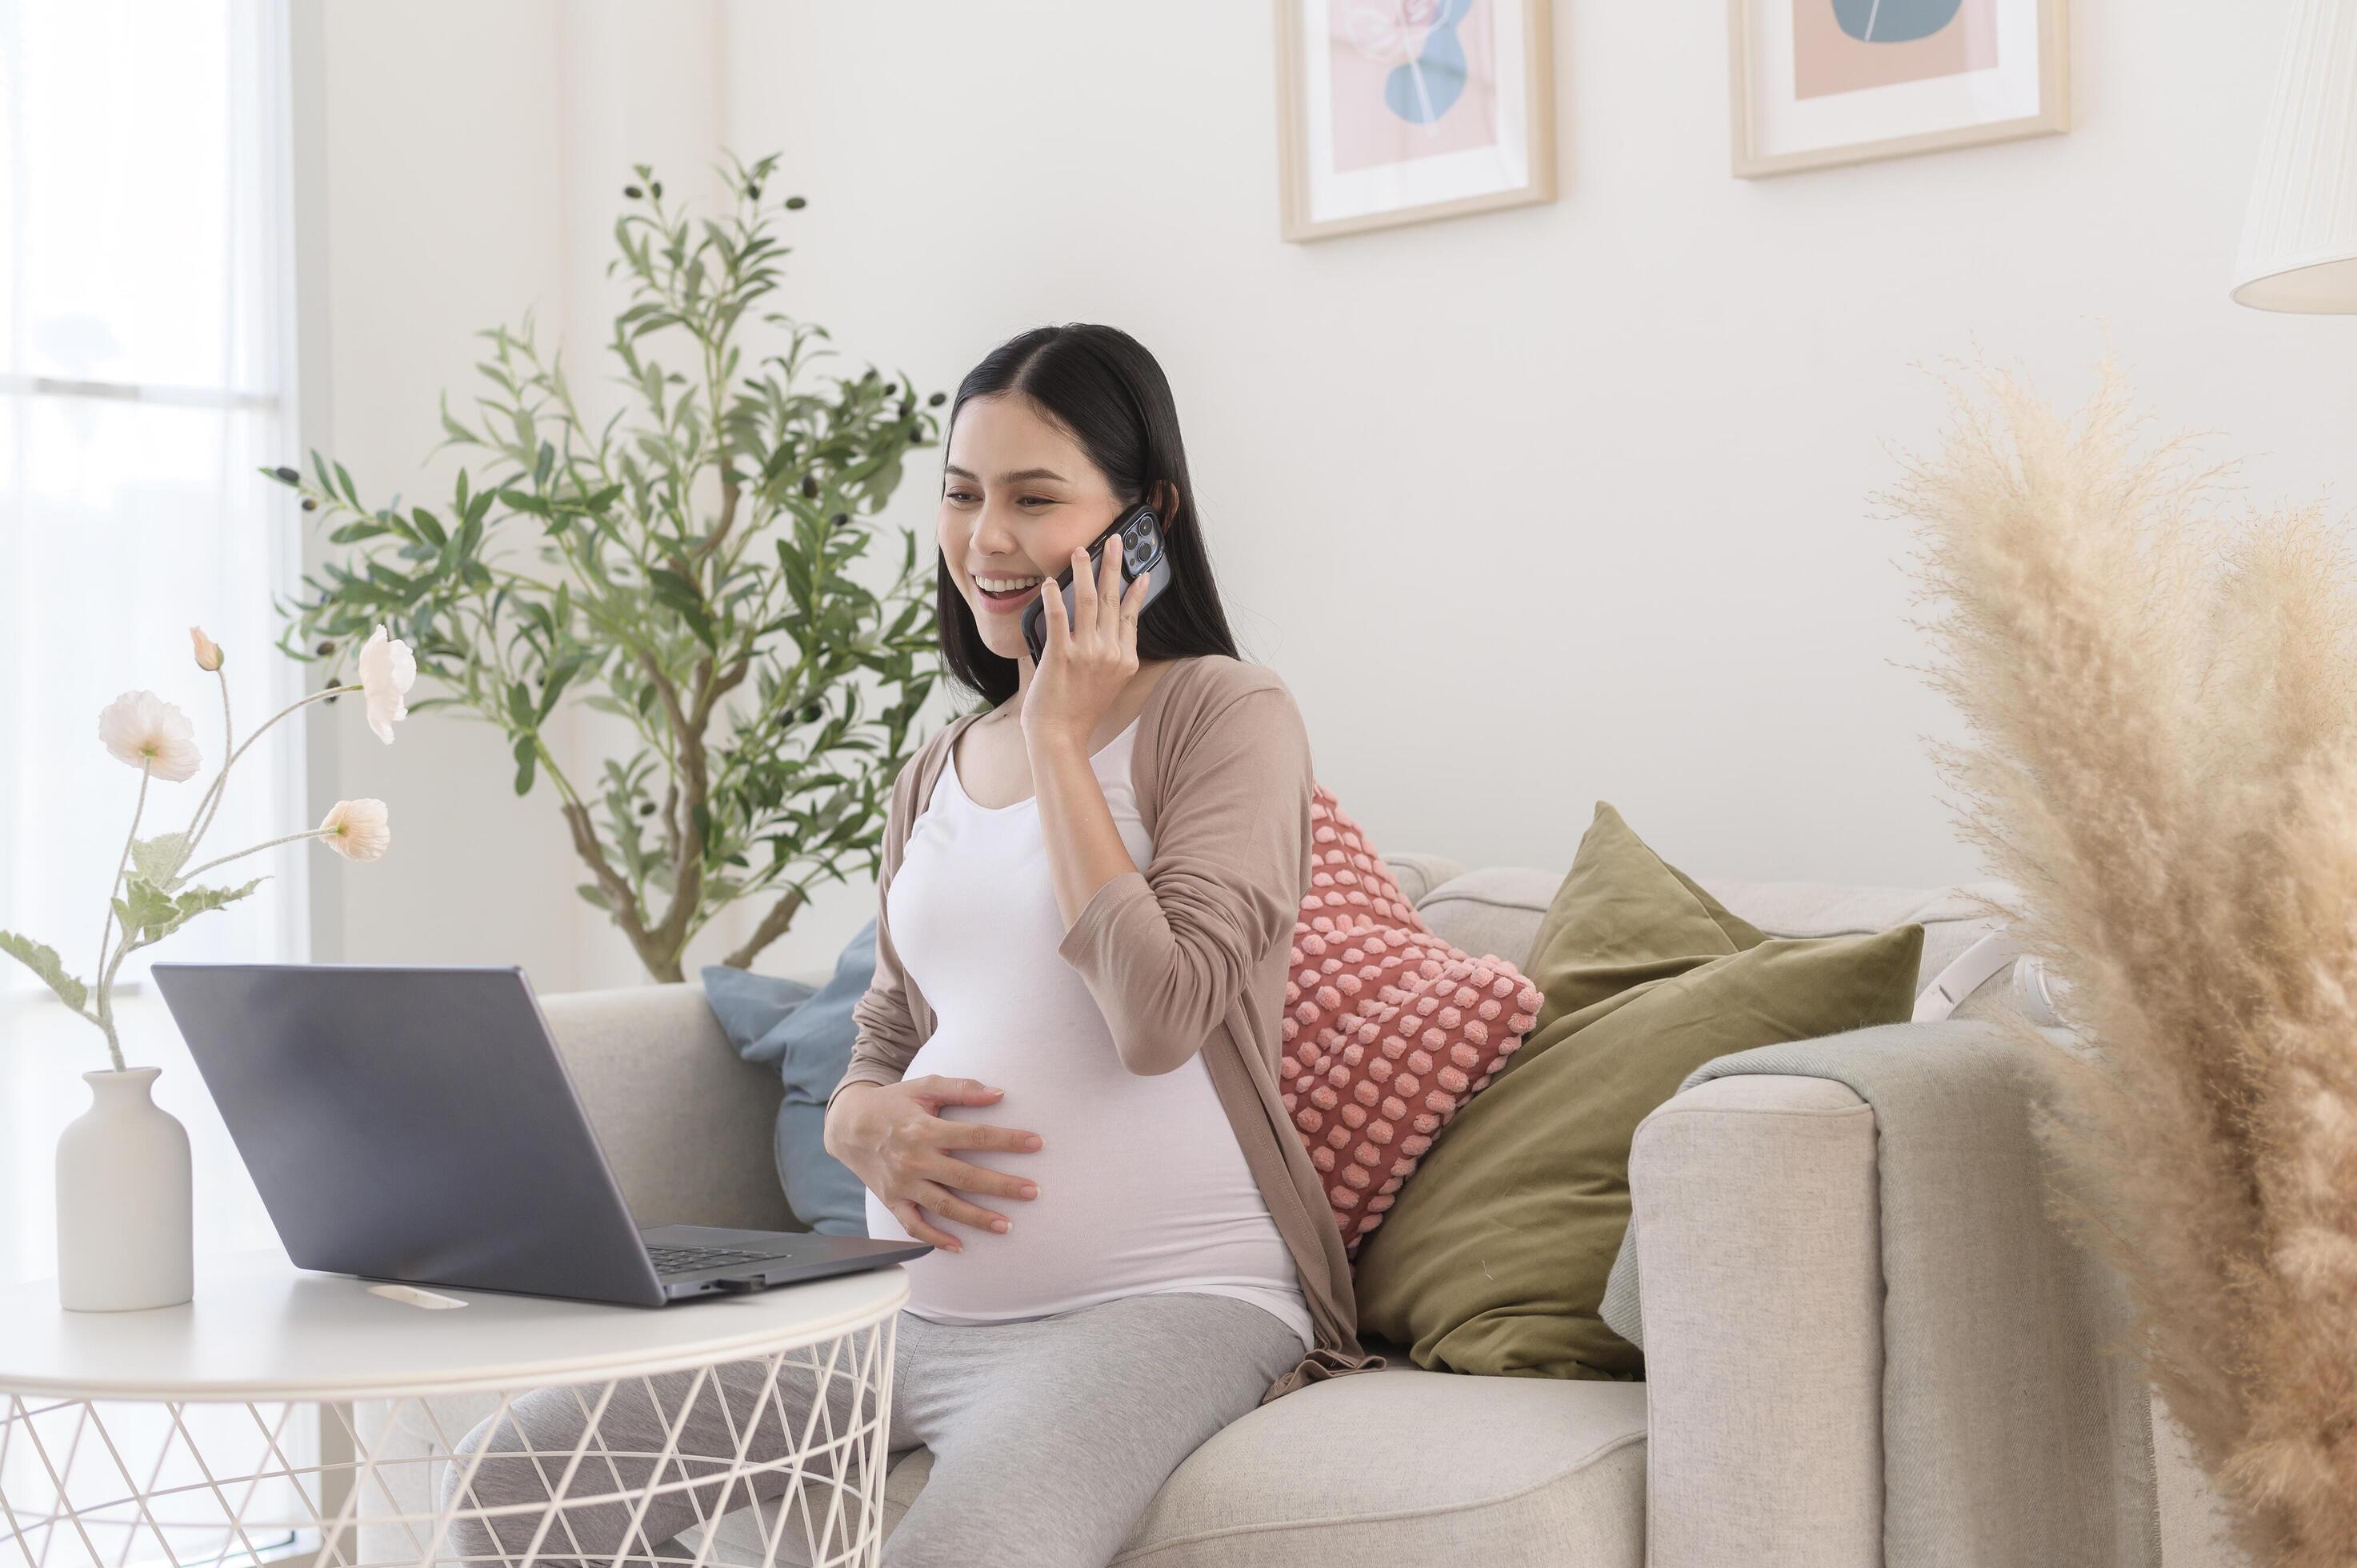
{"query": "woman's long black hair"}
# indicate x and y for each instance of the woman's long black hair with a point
(1100, 384)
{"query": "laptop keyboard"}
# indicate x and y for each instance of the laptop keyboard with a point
(682, 1260)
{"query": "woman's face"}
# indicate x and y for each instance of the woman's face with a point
(1019, 496)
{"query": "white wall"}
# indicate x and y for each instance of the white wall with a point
(1570, 501)
(442, 165)
(1592, 477)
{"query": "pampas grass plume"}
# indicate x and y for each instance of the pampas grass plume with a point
(2160, 696)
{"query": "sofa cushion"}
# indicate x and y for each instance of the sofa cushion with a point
(1397, 1466)
(684, 1124)
(1495, 1259)
(1388, 1028)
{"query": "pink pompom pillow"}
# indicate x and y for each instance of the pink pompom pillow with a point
(1389, 1030)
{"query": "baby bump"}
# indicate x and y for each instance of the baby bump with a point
(1139, 1181)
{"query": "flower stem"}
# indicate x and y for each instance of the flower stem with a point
(257, 849)
(106, 931)
(208, 807)
(105, 990)
(198, 833)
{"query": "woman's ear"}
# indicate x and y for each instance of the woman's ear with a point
(1166, 502)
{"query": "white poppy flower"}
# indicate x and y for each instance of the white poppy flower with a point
(358, 830)
(387, 670)
(143, 730)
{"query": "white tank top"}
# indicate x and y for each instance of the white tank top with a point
(1143, 1187)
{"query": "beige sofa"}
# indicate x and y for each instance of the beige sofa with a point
(1754, 1443)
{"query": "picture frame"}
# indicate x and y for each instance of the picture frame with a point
(1395, 112)
(1809, 86)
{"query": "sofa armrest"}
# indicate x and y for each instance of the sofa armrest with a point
(1850, 1297)
(1762, 1288)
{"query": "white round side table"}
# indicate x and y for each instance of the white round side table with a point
(179, 1434)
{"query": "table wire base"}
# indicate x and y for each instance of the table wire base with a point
(120, 1484)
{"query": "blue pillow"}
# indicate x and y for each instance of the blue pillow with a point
(808, 1034)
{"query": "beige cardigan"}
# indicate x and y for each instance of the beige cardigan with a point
(1192, 954)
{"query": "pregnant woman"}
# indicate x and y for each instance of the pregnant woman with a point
(1065, 1072)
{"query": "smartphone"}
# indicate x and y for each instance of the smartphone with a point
(1140, 532)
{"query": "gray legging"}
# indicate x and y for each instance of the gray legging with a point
(1049, 1437)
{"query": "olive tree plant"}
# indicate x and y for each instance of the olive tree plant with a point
(684, 568)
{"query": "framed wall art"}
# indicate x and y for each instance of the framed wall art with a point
(1399, 111)
(1838, 82)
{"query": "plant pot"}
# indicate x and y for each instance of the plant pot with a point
(125, 1230)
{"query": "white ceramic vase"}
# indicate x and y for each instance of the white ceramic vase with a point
(124, 1230)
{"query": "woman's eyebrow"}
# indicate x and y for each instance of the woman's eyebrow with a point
(1016, 477)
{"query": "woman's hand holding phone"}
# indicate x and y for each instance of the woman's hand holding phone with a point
(1088, 661)
(895, 1140)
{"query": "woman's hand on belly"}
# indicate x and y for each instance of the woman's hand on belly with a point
(895, 1140)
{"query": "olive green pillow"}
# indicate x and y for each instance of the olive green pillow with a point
(1494, 1257)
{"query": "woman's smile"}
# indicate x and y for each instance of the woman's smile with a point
(1012, 599)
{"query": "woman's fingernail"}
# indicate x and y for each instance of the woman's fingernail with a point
(1030, 1143)
(999, 1225)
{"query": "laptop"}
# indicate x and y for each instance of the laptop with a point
(415, 1123)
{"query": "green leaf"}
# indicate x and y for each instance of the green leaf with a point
(557, 677)
(148, 910)
(158, 859)
(44, 962)
(670, 588)
(527, 756)
(520, 707)
(593, 894)
(193, 901)
(456, 432)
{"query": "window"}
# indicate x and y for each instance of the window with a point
(146, 353)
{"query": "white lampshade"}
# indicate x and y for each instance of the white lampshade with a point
(2300, 239)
